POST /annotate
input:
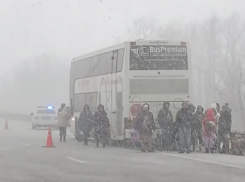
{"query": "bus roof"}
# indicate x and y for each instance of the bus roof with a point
(100, 51)
(122, 45)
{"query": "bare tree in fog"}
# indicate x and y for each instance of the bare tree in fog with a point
(38, 81)
(143, 28)
(217, 57)
(232, 62)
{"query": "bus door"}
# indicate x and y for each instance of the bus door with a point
(113, 122)
(119, 116)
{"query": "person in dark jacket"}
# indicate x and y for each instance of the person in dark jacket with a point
(224, 128)
(165, 120)
(85, 120)
(101, 125)
(197, 130)
(145, 124)
(183, 118)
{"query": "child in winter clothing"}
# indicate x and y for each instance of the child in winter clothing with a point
(209, 128)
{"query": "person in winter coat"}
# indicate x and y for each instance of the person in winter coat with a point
(63, 122)
(224, 128)
(86, 120)
(63, 105)
(197, 131)
(216, 110)
(101, 125)
(145, 125)
(165, 120)
(209, 129)
(184, 120)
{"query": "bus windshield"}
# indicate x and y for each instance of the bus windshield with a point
(158, 57)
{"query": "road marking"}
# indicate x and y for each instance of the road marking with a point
(76, 160)
(26, 144)
(200, 160)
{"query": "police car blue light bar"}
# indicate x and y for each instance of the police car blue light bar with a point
(50, 107)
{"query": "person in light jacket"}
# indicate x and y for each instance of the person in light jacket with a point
(63, 123)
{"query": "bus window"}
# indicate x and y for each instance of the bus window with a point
(94, 65)
(120, 60)
(85, 98)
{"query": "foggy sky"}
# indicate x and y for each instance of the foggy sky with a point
(69, 28)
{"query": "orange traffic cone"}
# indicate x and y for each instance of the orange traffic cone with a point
(49, 142)
(6, 127)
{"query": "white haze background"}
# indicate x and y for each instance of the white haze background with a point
(38, 39)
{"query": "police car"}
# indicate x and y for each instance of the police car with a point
(44, 117)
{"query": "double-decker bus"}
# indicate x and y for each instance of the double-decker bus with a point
(125, 76)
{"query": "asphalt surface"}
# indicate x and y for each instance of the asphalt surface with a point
(23, 159)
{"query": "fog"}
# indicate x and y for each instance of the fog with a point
(40, 38)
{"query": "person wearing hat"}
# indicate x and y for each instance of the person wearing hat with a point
(101, 125)
(224, 127)
(63, 105)
(145, 125)
(165, 120)
(197, 129)
(209, 129)
(63, 123)
(86, 119)
(184, 120)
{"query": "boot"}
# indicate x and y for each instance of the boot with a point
(85, 142)
(64, 138)
(200, 148)
(206, 150)
(60, 138)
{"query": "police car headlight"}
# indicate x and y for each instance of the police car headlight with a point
(73, 119)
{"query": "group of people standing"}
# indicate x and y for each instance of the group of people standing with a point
(210, 128)
(98, 122)
(87, 121)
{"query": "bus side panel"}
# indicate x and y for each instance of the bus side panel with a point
(126, 99)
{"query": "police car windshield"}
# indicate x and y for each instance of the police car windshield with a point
(45, 111)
